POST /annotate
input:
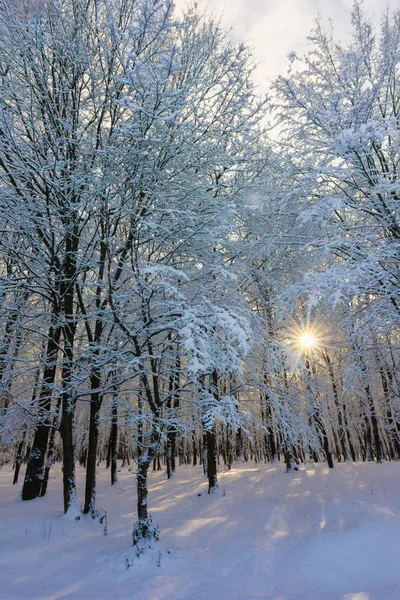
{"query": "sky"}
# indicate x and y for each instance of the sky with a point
(274, 28)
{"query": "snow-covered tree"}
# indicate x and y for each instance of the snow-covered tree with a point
(338, 110)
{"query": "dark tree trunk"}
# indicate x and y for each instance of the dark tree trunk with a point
(171, 451)
(323, 437)
(266, 427)
(318, 418)
(229, 447)
(50, 452)
(172, 406)
(393, 426)
(82, 457)
(66, 430)
(36, 462)
(124, 449)
(353, 453)
(108, 455)
(238, 444)
(212, 444)
(6, 343)
(12, 337)
(143, 528)
(269, 439)
(113, 441)
(68, 396)
(338, 450)
(18, 459)
(374, 425)
(204, 453)
(194, 450)
(372, 418)
(49, 462)
(342, 430)
(90, 487)
(212, 460)
(96, 397)
(271, 434)
(289, 462)
(368, 456)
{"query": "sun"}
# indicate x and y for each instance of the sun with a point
(308, 341)
(305, 337)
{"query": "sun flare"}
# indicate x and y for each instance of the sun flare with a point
(307, 341)
(305, 337)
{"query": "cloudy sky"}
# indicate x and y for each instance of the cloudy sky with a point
(276, 27)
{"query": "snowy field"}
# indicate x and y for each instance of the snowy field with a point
(310, 535)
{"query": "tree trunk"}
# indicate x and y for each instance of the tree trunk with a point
(323, 437)
(113, 441)
(289, 462)
(68, 396)
(317, 416)
(12, 337)
(229, 447)
(341, 433)
(212, 445)
(36, 462)
(212, 460)
(372, 418)
(66, 430)
(271, 435)
(18, 459)
(144, 528)
(393, 426)
(353, 453)
(90, 486)
(172, 406)
(368, 440)
(96, 397)
(238, 444)
(374, 424)
(49, 462)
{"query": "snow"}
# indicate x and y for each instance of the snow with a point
(314, 534)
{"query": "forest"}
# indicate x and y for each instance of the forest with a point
(193, 273)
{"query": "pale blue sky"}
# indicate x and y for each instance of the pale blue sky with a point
(276, 27)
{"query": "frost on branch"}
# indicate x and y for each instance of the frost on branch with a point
(226, 410)
(214, 338)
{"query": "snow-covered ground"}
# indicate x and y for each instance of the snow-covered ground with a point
(309, 535)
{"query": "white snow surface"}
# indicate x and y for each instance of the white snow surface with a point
(314, 534)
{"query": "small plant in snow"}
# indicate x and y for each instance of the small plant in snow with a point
(46, 530)
(159, 558)
(128, 563)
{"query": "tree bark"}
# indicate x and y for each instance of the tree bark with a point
(113, 441)
(342, 432)
(172, 406)
(90, 486)
(143, 528)
(36, 461)
(393, 426)
(49, 458)
(238, 444)
(317, 417)
(212, 443)
(18, 459)
(68, 396)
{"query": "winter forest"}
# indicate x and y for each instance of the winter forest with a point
(199, 292)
